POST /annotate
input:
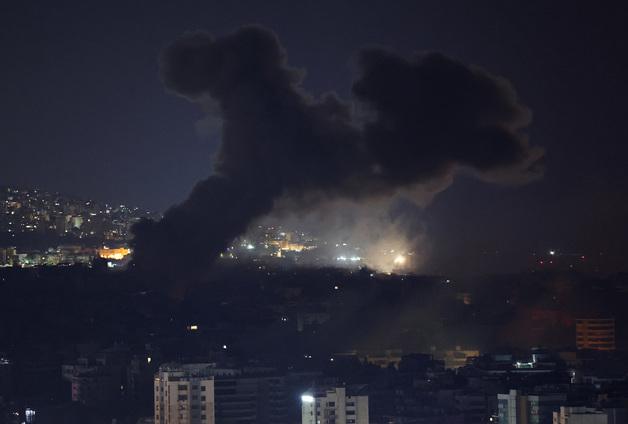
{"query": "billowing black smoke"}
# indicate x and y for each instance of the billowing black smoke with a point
(424, 117)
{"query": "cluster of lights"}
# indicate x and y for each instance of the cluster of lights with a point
(351, 258)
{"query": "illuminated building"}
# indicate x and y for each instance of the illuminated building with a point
(580, 415)
(595, 333)
(37, 211)
(115, 254)
(512, 408)
(517, 408)
(76, 221)
(184, 394)
(334, 406)
(29, 415)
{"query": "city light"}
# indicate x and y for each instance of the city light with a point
(29, 414)
(307, 399)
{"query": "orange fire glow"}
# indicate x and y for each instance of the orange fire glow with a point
(115, 254)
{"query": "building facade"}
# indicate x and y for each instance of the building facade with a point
(184, 394)
(250, 399)
(595, 333)
(517, 408)
(579, 415)
(334, 406)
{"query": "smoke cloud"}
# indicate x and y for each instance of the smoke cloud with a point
(425, 118)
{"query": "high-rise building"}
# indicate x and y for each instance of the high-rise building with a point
(29, 415)
(98, 381)
(517, 408)
(6, 376)
(61, 224)
(334, 406)
(7, 256)
(579, 415)
(184, 394)
(542, 406)
(249, 398)
(595, 333)
(512, 408)
(474, 406)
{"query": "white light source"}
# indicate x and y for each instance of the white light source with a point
(30, 415)
(552, 252)
(307, 398)
(399, 260)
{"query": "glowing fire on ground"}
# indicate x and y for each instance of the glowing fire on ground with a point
(115, 254)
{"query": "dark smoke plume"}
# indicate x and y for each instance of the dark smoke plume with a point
(427, 117)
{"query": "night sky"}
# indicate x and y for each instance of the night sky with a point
(83, 110)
